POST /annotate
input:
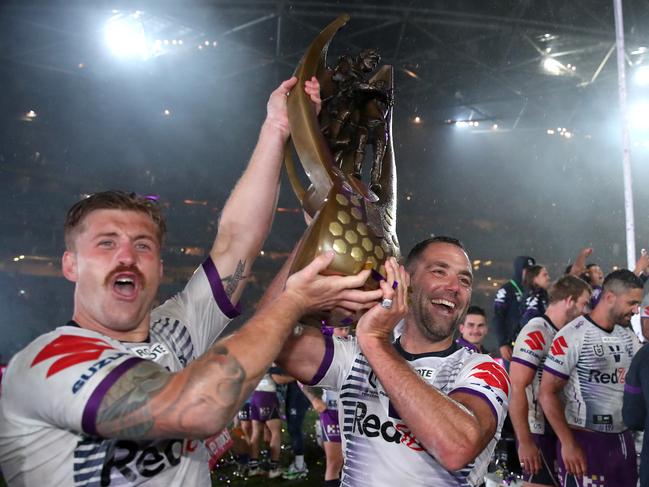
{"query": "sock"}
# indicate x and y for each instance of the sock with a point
(332, 483)
(253, 463)
(299, 462)
(243, 458)
(272, 465)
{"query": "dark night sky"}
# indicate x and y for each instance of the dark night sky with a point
(515, 190)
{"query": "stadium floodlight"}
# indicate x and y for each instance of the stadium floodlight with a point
(125, 36)
(641, 76)
(552, 66)
(638, 118)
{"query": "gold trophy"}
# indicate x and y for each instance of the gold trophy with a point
(355, 220)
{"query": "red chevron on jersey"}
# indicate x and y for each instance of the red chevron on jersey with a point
(535, 340)
(75, 350)
(493, 374)
(559, 345)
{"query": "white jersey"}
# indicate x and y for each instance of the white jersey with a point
(330, 398)
(266, 384)
(531, 349)
(594, 362)
(53, 388)
(379, 448)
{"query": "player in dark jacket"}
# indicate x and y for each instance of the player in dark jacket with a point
(507, 306)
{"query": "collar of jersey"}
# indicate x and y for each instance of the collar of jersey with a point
(603, 329)
(546, 318)
(454, 347)
(77, 325)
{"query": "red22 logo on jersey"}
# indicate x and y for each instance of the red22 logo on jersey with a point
(74, 350)
(493, 374)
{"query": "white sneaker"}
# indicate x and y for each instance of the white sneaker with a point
(256, 472)
(292, 472)
(273, 473)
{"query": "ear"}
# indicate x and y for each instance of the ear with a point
(69, 265)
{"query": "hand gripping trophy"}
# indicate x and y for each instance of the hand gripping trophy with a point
(354, 219)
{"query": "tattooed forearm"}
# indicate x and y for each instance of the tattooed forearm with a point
(232, 282)
(125, 411)
(149, 402)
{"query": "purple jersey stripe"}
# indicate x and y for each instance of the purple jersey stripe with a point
(632, 389)
(523, 362)
(218, 292)
(473, 392)
(92, 406)
(326, 360)
(558, 374)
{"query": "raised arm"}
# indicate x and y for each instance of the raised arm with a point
(579, 267)
(248, 213)
(549, 395)
(149, 402)
(521, 376)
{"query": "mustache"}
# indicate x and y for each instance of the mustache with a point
(125, 268)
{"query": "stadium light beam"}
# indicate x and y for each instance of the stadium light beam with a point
(125, 37)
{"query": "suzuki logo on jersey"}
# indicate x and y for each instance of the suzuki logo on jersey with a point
(493, 374)
(370, 425)
(617, 377)
(559, 346)
(73, 349)
(535, 340)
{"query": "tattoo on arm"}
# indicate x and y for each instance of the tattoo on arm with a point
(149, 402)
(232, 282)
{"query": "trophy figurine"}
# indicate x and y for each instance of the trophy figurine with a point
(354, 218)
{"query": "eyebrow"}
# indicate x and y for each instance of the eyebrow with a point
(441, 263)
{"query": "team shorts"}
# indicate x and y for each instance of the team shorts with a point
(330, 426)
(244, 412)
(264, 406)
(610, 459)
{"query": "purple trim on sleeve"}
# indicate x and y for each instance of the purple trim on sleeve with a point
(524, 362)
(632, 389)
(326, 360)
(558, 374)
(222, 300)
(92, 405)
(477, 394)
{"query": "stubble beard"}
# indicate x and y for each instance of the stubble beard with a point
(426, 324)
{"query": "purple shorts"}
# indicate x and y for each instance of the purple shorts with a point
(547, 445)
(610, 458)
(244, 412)
(264, 406)
(330, 426)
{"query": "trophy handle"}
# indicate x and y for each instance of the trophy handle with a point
(311, 147)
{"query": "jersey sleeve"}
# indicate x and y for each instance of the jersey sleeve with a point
(532, 344)
(564, 352)
(338, 358)
(482, 376)
(60, 379)
(202, 307)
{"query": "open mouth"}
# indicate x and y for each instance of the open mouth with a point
(125, 285)
(444, 303)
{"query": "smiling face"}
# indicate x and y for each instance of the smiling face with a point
(625, 306)
(441, 283)
(596, 275)
(116, 267)
(474, 328)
